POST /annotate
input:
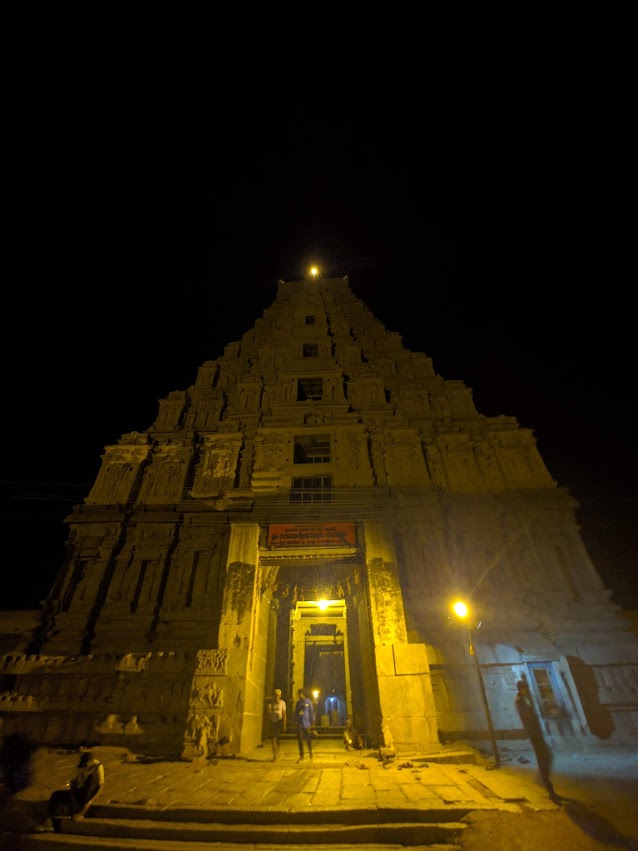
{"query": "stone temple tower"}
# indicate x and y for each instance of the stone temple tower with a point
(303, 516)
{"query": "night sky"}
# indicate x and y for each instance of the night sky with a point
(146, 234)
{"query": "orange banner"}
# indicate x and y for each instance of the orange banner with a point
(311, 535)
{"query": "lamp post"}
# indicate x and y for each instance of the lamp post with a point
(461, 611)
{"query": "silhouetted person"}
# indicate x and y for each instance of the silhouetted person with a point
(351, 737)
(532, 726)
(277, 714)
(74, 800)
(305, 717)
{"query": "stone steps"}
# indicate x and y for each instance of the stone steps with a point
(113, 826)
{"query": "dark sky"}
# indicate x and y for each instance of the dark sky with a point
(147, 231)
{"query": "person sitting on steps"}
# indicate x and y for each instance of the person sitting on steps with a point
(352, 738)
(74, 800)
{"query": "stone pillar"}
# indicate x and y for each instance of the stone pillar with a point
(403, 671)
(238, 634)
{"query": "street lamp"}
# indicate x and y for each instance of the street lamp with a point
(461, 610)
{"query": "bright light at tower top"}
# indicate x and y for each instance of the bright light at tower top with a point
(460, 609)
(314, 271)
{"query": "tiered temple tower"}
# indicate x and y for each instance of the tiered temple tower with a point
(303, 516)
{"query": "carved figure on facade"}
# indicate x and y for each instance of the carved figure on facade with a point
(275, 454)
(435, 464)
(216, 467)
(408, 466)
(213, 661)
(201, 729)
(164, 480)
(460, 400)
(439, 405)
(48, 626)
(111, 724)
(378, 458)
(354, 446)
(206, 374)
(123, 562)
(271, 452)
(488, 466)
(114, 476)
(248, 397)
(523, 464)
(387, 748)
(209, 694)
(117, 473)
(132, 727)
(133, 662)
(170, 410)
(246, 464)
(19, 701)
(365, 393)
(462, 468)
(221, 464)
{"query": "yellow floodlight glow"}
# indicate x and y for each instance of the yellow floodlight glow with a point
(460, 609)
(314, 271)
(315, 693)
(323, 604)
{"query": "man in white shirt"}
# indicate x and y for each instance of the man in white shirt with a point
(277, 715)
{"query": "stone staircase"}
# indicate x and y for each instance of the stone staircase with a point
(142, 812)
(118, 826)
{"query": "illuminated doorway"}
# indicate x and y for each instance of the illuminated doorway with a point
(319, 659)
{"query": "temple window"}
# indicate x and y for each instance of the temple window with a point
(308, 490)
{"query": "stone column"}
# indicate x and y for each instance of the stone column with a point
(239, 636)
(403, 671)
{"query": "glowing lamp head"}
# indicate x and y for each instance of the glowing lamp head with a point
(460, 609)
(314, 271)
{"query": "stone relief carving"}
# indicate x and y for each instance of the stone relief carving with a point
(407, 462)
(354, 445)
(248, 397)
(17, 701)
(213, 661)
(209, 694)
(378, 459)
(111, 724)
(118, 471)
(133, 662)
(439, 405)
(132, 728)
(217, 466)
(170, 410)
(200, 729)
(271, 452)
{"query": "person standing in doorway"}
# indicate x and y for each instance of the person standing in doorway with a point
(305, 715)
(532, 725)
(277, 715)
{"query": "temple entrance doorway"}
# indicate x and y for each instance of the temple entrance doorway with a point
(319, 660)
(321, 639)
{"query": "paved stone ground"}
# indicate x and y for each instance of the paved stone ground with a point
(505, 807)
